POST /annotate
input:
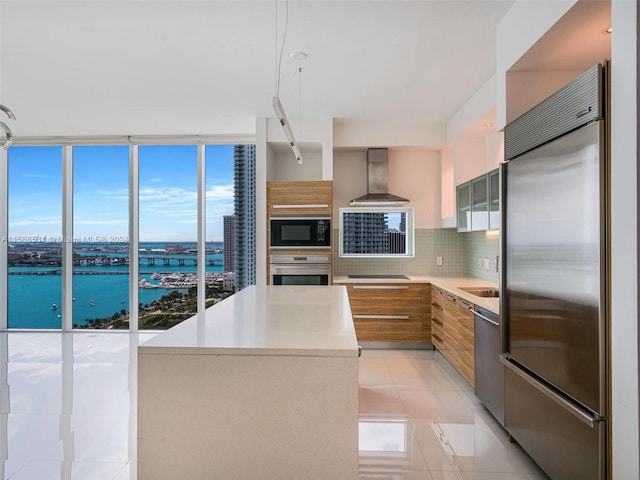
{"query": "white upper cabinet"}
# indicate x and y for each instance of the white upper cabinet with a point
(479, 203)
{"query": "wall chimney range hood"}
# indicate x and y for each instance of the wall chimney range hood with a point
(377, 192)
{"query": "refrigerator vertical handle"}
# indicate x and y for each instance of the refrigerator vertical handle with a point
(502, 279)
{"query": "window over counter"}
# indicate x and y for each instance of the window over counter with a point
(376, 232)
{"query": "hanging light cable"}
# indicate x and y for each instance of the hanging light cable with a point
(300, 99)
(277, 105)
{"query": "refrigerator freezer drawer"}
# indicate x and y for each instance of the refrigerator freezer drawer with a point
(561, 443)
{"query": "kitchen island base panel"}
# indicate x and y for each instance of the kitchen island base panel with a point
(249, 417)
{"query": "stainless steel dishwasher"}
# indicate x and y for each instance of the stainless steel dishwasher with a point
(489, 372)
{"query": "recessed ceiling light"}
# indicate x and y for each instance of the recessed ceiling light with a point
(488, 124)
(299, 56)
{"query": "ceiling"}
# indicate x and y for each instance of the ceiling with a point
(209, 67)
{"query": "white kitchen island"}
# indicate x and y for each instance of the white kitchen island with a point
(263, 386)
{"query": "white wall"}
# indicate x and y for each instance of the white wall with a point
(481, 102)
(624, 239)
(470, 158)
(448, 187)
(362, 133)
(520, 28)
(494, 150)
(263, 159)
(284, 167)
(315, 139)
(413, 173)
(526, 89)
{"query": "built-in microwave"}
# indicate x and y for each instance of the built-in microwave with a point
(300, 232)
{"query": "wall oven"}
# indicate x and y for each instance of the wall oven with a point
(300, 269)
(308, 232)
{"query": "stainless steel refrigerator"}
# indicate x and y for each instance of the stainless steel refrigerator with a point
(554, 305)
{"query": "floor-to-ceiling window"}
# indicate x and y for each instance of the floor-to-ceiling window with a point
(220, 227)
(168, 234)
(35, 237)
(96, 200)
(101, 237)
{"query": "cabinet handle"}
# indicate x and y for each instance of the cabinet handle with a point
(435, 305)
(437, 338)
(380, 287)
(493, 322)
(308, 205)
(462, 304)
(448, 297)
(383, 317)
(437, 322)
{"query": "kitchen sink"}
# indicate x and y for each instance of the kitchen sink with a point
(481, 291)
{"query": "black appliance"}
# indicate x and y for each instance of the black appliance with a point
(309, 232)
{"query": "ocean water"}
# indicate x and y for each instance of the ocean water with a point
(31, 297)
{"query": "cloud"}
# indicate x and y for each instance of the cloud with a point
(220, 192)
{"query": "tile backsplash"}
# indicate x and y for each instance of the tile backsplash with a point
(479, 248)
(459, 252)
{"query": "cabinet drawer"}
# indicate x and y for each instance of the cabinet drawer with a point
(389, 312)
(441, 340)
(385, 299)
(452, 324)
(390, 328)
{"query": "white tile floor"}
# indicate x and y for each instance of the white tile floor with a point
(419, 419)
(68, 411)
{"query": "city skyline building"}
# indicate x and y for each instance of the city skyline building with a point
(228, 257)
(244, 181)
(366, 233)
(397, 242)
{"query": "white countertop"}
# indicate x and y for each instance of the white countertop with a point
(271, 320)
(450, 284)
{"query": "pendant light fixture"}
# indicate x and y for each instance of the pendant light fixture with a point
(277, 104)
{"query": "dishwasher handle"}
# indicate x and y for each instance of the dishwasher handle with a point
(493, 322)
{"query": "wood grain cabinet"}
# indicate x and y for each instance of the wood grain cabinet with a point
(394, 312)
(452, 331)
(300, 198)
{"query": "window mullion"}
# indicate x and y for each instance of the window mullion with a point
(202, 230)
(67, 238)
(4, 236)
(134, 210)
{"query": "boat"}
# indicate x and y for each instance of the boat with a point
(92, 302)
(54, 307)
(144, 283)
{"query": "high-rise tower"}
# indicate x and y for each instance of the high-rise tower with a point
(244, 179)
(228, 257)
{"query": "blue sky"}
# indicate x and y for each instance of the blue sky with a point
(168, 192)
